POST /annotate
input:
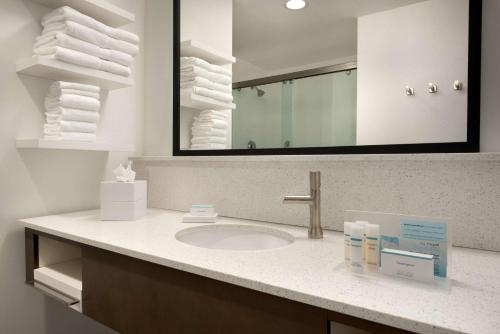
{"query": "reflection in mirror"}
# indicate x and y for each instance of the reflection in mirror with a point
(335, 73)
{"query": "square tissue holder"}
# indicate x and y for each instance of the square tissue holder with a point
(123, 200)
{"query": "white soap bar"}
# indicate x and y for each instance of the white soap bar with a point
(416, 266)
(202, 210)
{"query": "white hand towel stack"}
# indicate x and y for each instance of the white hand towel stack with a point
(209, 130)
(78, 39)
(202, 78)
(72, 111)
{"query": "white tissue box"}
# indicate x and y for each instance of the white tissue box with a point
(123, 200)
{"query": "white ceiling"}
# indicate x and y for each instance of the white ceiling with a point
(269, 36)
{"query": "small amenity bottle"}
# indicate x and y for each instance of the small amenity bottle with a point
(347, 242)
(372, 232)
(363, 223)
(357, 231)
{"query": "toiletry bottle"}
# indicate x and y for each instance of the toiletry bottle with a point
(347, 242)
(372, 232)
(357, 232)
(363, 224)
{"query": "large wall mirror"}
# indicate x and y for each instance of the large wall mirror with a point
(326, 76)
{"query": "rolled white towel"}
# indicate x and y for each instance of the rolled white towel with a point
(219, 96)
(72, 101)
(89, 35)
(69, 126)
(186, 61)
(67, 13)
(191, 71)
(205, 83)
(208, 140)
(83, 59)
(215, 123)
(58, 85)
(208, 146)
(68, 114)
(75, 136)
(68, 42)
(208, 132)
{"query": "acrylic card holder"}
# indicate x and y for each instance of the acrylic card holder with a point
(408, 242)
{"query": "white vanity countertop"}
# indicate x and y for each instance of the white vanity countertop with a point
(308, 271)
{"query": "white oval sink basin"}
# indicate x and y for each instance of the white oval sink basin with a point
(234, 237)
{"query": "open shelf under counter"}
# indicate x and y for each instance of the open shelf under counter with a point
(52, 69)
(34, 143)
(192, 48)
(64, 277)
(194, 101)
(101, 10)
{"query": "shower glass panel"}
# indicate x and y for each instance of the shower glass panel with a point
(307, 112)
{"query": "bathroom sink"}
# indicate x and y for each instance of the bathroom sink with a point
(234, 237)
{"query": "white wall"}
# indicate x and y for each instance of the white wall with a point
(413, 45)
(40, 182)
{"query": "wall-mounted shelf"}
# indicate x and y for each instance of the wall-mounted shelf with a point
(48, 68)
(72, 145)
(195, 101)
(192, 48)
(101, 10)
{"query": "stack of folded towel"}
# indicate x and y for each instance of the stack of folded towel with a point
(72, 111)
(202, 78)
(78, 39)
(209, 130)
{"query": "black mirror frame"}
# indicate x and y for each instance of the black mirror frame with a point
(473, 107)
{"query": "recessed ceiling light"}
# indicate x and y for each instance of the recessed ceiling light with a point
(295, 4)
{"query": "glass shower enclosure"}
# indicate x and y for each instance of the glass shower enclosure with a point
(312, 111)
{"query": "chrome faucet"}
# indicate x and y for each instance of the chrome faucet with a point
(314, 202)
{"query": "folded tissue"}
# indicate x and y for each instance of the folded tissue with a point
(125, 198)
(123, 174)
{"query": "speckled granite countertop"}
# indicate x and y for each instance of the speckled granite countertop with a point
(308, 271)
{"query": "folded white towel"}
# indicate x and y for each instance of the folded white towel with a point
(209, 118)
(215, 123)
(213, 113)
(191, 71)
(205, 83)
(68, 42)
(68, 114)
(72, 101)
(208, 146)
(56, 93)
(58, 85)
(84, 60)
(67, 13)
(75, 136)
(208, 132)
(89, 35)
(208, 140)
(219, 96)
(69, 126)
(186, 61)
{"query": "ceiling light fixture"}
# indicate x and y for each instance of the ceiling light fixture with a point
(295, 4)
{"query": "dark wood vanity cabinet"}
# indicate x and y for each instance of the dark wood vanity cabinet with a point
(133, 296)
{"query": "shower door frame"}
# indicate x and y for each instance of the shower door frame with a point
(473, 107)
